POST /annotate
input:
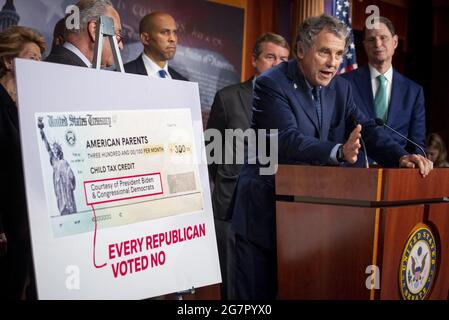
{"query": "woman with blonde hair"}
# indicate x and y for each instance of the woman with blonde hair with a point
(15, 246)
(436, 151)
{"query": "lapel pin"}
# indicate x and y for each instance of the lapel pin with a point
(295, 86)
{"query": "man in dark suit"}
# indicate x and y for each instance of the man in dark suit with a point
(78, 50)
(317, 123)
(158, 34)
(382, 92)
(232, 109)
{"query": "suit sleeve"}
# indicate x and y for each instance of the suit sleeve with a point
(273, 110)
(418, 123)
(380, 146)
(217, 120)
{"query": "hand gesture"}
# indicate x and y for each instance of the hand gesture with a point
(352, 145)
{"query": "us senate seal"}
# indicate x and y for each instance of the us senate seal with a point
(418, 264)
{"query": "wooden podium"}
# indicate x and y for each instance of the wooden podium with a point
(333, 223)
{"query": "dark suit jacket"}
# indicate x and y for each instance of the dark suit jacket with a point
(13, 211)
(231, 110)
(15, 265)
(406, 112)
(138, 67)
(282, 101)
(63, 55)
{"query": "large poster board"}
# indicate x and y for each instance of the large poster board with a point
(116, 183)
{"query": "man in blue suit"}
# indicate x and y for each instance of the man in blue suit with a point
(318, 123)
(382, 92)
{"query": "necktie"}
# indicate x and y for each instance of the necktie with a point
(162, 73)
(317, 100)
(380, 101)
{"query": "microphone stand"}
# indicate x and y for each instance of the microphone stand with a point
(380, 122)
(364, 151)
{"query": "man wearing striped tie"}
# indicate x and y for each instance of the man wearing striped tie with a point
(158, 34)
(381, 92)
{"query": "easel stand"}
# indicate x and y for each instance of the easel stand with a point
(105, 28)
(179, 295)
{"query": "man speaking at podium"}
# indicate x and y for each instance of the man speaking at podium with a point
(318, 124)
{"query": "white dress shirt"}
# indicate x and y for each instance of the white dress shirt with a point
(152, 68)
(388, 83)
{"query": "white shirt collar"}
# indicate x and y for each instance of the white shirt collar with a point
(152, 68)
(76, 51)
(388, 74)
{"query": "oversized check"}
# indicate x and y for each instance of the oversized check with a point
(115, 168)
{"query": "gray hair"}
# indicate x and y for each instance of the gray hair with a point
(91, 10)
(311, 27)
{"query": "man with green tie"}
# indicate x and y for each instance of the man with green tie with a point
(381, 92)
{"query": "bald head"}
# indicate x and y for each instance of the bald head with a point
(158, 34)
(150, 21)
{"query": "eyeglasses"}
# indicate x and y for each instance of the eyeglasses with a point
(120, 38)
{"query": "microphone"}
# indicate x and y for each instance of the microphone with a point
(354, 120)
(382, 123)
